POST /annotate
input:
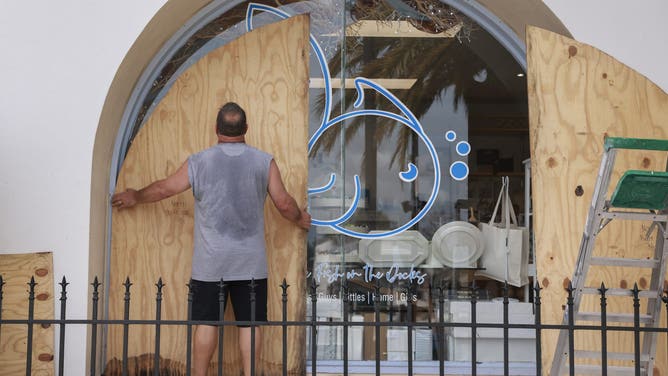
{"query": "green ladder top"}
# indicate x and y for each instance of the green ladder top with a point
(641, 190)
(635, 143)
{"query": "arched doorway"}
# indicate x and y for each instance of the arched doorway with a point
(118, 125)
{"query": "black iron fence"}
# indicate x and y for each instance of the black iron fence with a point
(440, 326)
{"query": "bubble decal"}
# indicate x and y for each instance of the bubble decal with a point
(459, 170)
(409, 175)
(463, 148)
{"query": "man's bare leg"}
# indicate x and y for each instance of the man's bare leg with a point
(205, 340)
(245, 347)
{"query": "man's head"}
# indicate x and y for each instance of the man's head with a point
(231, 120)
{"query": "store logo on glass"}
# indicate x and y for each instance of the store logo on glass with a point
(332, 273)
(458, 170)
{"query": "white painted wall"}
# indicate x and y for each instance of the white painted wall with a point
(58, 61)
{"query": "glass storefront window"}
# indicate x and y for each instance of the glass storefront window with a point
(469, 96)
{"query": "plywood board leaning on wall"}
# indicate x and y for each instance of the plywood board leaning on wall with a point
(16, 271)
(266, 72)
(577, 96)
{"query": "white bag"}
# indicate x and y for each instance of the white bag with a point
(506, 255)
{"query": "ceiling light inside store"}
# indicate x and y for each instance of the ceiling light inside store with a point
(393, 29)
(480, 76)
(520, 74)
(388, 83)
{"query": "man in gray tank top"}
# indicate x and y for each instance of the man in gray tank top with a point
(230, 182)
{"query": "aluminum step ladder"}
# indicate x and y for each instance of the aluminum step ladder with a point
(645, 193)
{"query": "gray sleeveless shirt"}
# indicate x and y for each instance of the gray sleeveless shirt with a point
(229, 182)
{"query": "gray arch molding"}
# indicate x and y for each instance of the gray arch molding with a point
(471, 8)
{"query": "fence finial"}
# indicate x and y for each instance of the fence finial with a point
(189, 285)
(63, 289)
(252, 285)
(96, 284)
(313, 288)
(160, 285)
(127, 284)
(221, 298)
(602, 290)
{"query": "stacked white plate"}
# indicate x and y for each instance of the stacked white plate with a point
(407, 249)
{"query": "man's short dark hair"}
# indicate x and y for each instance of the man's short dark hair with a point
(231, 120)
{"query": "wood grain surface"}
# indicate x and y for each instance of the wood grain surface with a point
(16, 271)
(266, 72)
(577, 96)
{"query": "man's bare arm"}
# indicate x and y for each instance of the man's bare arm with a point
(156, 191)
(283, 201)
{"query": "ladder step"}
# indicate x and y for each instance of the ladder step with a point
(586, 369)
(612, 317)
(634, 216)
(620, 261)
(621, 292)
(611, 355)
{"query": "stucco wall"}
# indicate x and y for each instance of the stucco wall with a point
(58, 61)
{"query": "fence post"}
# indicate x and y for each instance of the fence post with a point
(664, 298)
(63, 306)
(31, 314)
(126, 326)
(636, 328)
(221, 327)
(93, 338)
(539, 355)
(284, 298)
(604, 330)
(571, 330)
(376, 309)
(409, 328)
(474, 335)
(344, 292)
(158, 302)
(441, 329)
(252, 326)
(314, 304)
(189, 336)
(2, 283)
(506, 369)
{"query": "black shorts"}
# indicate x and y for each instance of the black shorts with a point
(206, 306)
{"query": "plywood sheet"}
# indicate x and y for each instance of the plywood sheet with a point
(577, 96)
(266, 72)
(16, 271)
